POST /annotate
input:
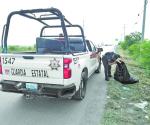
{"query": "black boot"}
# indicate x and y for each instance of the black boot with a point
(109, 75)
(107, 79)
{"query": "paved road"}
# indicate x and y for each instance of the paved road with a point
(16, 110)
(108, 49)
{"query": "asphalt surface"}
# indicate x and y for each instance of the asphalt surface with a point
(16, 110)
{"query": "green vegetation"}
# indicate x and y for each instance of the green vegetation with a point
(124, 101)
(130, 104)
(130, 40)
(138, 50)
(121, 104)
(16, 48)
(121, 108)
(141, 53)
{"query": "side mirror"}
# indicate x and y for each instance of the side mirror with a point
(100, 49)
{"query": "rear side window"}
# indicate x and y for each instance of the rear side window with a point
(76, 45)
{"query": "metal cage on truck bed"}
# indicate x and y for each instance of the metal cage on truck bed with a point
(43, 16)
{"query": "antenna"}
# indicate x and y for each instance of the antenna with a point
(83, 23)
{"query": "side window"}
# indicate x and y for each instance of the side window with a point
(93, 47)
(89, 45)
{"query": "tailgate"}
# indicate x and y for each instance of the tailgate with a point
(32, 68)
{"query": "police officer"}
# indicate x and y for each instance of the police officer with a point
(108, 59)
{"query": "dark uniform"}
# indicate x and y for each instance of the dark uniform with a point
(109, 57)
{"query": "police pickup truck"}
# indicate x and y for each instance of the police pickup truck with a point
(60, 65)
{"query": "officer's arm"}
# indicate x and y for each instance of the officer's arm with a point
(119, 60)
(111, 63)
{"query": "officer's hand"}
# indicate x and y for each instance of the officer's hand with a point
(119, 60)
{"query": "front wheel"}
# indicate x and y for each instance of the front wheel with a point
(80, 94)
(98, 70)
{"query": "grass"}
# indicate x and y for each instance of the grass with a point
(17, 48)
(121, 108)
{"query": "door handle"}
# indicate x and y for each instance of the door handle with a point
(28, 57)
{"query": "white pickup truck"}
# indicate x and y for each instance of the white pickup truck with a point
(60, 66)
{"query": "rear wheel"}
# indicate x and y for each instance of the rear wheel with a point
(80, 94)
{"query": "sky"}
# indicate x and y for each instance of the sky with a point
(103, 21)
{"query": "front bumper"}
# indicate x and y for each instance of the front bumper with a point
(42, 90)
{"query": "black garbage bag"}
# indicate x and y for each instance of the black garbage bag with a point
(122, 75)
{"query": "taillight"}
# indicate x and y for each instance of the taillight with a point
(0, 66)
(67, 70)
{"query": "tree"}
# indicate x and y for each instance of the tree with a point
(130, 39)
(133, 38)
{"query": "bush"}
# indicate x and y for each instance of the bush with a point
(16, 48)
(131, 39)
(123, 45)
(141, 53)
(134, 50)
(145, 54)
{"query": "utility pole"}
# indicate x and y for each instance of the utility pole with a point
(124, 31)
(83, 23)
(144, 18)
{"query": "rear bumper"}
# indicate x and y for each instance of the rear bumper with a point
(43, 89)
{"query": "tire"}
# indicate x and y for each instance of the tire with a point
(98, 70)
(80, 94)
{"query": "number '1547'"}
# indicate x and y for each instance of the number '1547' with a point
(8, 60)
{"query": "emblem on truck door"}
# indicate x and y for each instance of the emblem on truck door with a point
(76, 60)
(54, 64)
